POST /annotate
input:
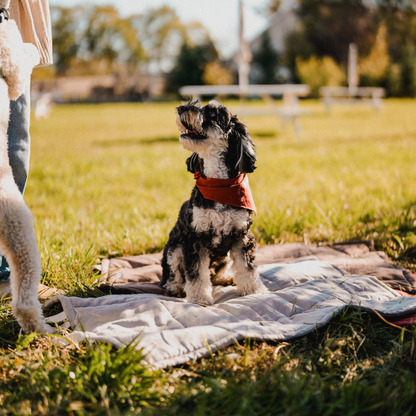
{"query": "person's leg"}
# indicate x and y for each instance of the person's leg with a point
(19, 139)
(19, 153)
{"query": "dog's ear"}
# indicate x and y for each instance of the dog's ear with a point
(241, 148)
(194, 163)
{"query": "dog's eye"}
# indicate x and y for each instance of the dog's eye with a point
(212, 113)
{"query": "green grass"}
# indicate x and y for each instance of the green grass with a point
(108, 180)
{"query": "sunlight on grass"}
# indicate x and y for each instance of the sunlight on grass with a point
(113, 176)
(108, 180)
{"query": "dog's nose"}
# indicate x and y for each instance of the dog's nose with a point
(181, 109)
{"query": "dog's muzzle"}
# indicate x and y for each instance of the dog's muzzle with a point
(192, 134)
(189, 119)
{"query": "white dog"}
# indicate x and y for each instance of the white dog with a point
(17, 234)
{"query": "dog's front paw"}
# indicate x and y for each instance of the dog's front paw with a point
(200, 300)
(255, 287)
(199, 291)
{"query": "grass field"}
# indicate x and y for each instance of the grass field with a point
(108, 180)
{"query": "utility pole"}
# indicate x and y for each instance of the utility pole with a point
(244, 57)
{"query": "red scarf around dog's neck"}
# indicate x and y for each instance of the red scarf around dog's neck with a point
(234, 191)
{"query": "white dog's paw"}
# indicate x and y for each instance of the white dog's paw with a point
(38, 326)
(200, 300)
(255, 287)
(31, 320)
(199, 291)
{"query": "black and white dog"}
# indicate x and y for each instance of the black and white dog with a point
(212, 241)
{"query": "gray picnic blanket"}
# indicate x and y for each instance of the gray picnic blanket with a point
(304, 293)
(141, 274)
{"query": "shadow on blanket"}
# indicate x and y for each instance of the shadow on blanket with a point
(141, 274)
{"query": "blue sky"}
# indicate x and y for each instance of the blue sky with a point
(220, 17)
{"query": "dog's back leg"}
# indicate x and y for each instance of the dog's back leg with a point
(18, 244)
(173, 275)
(222, 272)
(246, 276)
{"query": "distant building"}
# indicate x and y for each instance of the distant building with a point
(282, 23)
(100, 88)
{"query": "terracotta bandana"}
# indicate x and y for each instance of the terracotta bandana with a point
(234, 191)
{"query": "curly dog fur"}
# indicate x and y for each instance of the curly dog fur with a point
(17, 234)
(211, 241)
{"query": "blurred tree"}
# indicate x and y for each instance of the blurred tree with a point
(109, 39)
(408, 70)
(133, 53)
(215, 73)
(373, 68)
(400, 21)
(319, 72)
(329, 26)
(66, 36)
(190, 64)
(101, 36)
(95, 39)
(393, 82)
(296, 47)
(162, 34)
(332, 25)
(267, 60)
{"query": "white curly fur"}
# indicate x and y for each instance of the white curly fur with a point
(17, 59)
(218, 222)
(248, 281)
(17, 234)
(200, 290)
(210, 149)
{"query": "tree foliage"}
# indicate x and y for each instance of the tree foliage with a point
(384, 30)
(215, 73)
(408, 70)
(97, 39)
(191, 63)
(374, 67)
(267, 61)
(331, 26)
(66, 36)
(319, 72)
(93, 39)
(162, 33)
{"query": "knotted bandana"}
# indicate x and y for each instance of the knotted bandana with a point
(235, 191)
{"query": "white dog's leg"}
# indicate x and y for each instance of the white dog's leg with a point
(17, 237)
(246, 276)
(198, 285)
(18, 244)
